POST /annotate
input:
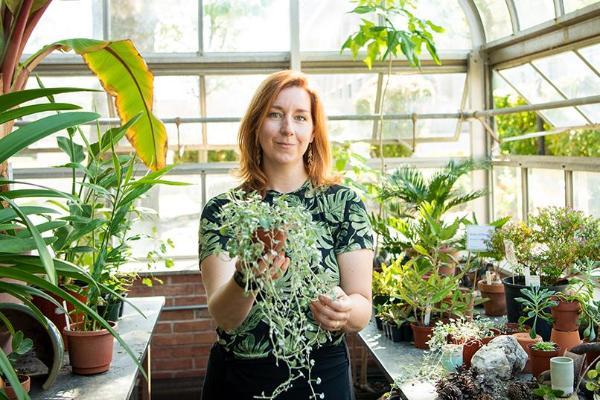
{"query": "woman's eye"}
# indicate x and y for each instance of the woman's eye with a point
(301, 118)
(274, 114)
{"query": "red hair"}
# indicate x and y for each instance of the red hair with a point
(252, 174)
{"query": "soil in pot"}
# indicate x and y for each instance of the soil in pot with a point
(421, 335)
(90, 352)
(495, 306)
(273, 239)
(25, 383)
(514, 309)
(566, 316)
(540, 360)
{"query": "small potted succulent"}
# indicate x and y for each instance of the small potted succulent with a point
(540, 355)
(536, 304)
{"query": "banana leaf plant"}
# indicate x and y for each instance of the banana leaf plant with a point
(20, 227)
(122, 72)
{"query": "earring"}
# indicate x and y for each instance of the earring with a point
(309, 156)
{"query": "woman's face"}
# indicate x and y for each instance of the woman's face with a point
(288, 129)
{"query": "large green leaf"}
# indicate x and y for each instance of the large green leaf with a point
(124, 75)
(7, 214)
(13, 99)
(11, 375)
(34, 131)
(34, 109)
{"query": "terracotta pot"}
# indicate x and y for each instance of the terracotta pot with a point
(525, 340)
(57, 314)
(469, 350)
(496, 305)
(566, 316)
(272, 240)
(90, 352)
(540, 360)
(565, 340)
(421, 335)
(25, 383)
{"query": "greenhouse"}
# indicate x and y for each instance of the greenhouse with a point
(300, 199)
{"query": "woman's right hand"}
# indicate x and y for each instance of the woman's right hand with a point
(272, 264)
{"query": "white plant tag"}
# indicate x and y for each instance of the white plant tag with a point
(488, 277)
(534, 281)
(478, 237)
(527, 276)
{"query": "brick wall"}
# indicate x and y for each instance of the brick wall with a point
(185, 332)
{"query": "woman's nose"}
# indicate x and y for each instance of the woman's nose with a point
(286, 126)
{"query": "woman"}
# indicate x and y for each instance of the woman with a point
(284, 149)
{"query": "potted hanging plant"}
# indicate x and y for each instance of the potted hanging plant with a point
(540, 355)
(292, 336)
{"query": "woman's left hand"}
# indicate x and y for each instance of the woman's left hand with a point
(332, 314)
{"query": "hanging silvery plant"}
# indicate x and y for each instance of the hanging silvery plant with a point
(255, 228)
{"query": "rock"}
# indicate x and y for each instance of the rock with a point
(501, 358)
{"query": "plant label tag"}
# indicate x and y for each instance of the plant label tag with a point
(534, 281)
(478, 237)
(527, 276)
(488, 277)
(509, 251)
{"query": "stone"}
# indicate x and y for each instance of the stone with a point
(501, 358)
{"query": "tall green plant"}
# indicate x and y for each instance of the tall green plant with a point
(384, 40)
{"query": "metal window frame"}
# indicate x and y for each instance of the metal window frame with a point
(514, 16)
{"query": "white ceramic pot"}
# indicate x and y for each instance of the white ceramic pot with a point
(562, 374)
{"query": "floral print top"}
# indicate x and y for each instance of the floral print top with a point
(346, 228)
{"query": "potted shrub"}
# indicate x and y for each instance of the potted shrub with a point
(423, 288)
(550, 245)
(536, 304)
(540, 355)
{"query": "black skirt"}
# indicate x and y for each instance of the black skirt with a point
(228, 377)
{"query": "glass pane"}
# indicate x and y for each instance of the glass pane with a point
(536, 89)
(592, 111)
(586, 192)
(507, 192)
(251, 25)
(460, 148)
(228, 96)
(456, 34)
(176, 96)
(166, 26)
(350, 130)
(424, 92)
(581, 81)
(495, 17)
(572, 5)
(317, 36)
(546, 188)
(84, 21)
(592, 55)
(219, 183)
(188, 134)
(533, 12)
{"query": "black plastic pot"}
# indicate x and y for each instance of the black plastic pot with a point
(514, 309)
(378, 323)
(111, 311)
(396, 333)
(407, 333)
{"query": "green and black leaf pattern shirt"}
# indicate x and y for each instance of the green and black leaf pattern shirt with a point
(346, 225)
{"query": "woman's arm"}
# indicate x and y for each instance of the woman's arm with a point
(227, 302)
(351, 310)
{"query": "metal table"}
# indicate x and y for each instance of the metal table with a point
(119, 382)
(394, 358)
